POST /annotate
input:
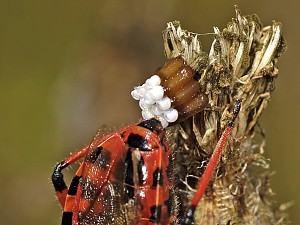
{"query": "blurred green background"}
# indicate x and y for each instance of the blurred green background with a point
(68, 67)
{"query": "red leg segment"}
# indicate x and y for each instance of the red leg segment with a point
(59, 184)
(188, 219)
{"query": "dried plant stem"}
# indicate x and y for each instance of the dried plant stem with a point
(242, 64)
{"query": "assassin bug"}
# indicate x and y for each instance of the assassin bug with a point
(117, 182)
(137, 154)
(125, 178)
(96, 186)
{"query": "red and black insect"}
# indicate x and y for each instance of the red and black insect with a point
(123, 179)
(129, 165)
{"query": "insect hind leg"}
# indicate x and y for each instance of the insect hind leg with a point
(188, 218)
(60, 187)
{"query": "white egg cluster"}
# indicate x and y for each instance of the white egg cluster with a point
(153, 103)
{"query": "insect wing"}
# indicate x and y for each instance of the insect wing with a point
(102, 184)
(150, 157)
(152, 193)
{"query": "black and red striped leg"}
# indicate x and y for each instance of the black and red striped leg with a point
(188, 218)
(61, 189)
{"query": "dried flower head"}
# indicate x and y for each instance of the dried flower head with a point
(242, 64)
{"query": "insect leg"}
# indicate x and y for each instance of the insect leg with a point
(58, 182)
(188, 218)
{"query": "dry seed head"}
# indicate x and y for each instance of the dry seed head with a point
(242, 64)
